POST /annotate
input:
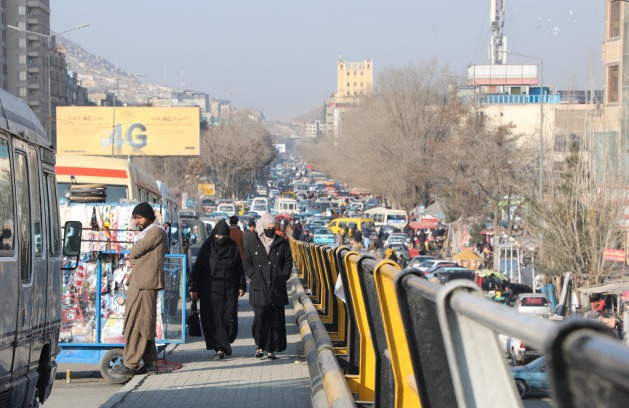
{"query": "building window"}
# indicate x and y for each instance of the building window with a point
(21, 43)
(22, 75)
(613, 86)
(614, 19)
(21, 10)
(22, 93)
(21, 59)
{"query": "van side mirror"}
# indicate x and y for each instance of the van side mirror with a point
(6, 233)
(72, 242)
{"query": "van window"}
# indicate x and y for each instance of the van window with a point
(23, 216)
(35, 199)
(54, 231)
(7, 220)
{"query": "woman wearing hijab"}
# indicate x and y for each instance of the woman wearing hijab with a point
(218, 280)
(268, 263)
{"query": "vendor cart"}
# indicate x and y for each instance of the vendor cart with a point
(94, 294)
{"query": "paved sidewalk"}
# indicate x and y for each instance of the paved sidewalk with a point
(238, 381)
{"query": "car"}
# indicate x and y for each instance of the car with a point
(396, 239)
(446, 274)
(430, 264)
(208, 205)
(429, 273)
(532, 303)
(531, 377)
(323, 236)
(194, 234)
(417, 260)
(339, 223)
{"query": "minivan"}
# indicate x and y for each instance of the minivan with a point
(339, 223)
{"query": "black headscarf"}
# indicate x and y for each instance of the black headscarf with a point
(222, 255)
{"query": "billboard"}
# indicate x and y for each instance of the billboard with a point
(128, 131)
(206, 189)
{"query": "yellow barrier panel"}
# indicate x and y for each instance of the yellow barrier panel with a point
(365, 382)
(406, 394)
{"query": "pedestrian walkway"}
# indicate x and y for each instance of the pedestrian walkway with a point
(238, 381)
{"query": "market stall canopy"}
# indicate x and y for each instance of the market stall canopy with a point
(285, 216)
(613, 288)
(468, 259)
(423, 224)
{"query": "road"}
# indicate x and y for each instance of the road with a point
(86, 390)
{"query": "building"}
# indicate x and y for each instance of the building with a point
(353, 81)
(313, 128)
(615, 90)
(33, 67)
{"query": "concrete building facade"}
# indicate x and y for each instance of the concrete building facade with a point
(353, 81)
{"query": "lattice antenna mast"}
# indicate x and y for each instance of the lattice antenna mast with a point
(498, 39)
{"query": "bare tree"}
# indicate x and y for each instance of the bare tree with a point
(484, 165)
(231, 153)
(576, 220)
(388, 141)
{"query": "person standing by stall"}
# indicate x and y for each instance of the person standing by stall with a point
(147, 278)
(217, 280)
(268, 263)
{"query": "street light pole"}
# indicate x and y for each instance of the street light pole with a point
(48, 38)
(541, 119)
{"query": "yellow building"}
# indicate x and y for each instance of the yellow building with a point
(353, 79)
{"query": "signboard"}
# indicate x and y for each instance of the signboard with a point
(206, 189)
(128, 131)
(614, 255)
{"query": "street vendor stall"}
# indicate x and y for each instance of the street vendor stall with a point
(94, 294)
(468, 259)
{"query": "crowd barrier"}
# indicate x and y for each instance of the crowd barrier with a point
(399, 340)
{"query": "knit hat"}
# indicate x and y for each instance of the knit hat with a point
(145, 210)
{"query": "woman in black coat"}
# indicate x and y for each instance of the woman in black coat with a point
(218, 279)
(268, 263)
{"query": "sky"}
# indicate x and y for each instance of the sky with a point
(279, 56)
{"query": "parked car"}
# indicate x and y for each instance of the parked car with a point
(429, 273)
(396, 239)
(323, 236)
(208, 205)
(424, 266)
(417, 260)
(531, 377)
(532, 303)
(450, 273)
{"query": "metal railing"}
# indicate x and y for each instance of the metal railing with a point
(405, 341)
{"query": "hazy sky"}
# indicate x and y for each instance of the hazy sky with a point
(279, 56)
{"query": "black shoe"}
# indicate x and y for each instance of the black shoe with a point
(147, 369)
(271, 356)
(259, 353)
(219, 355)
(123, 370)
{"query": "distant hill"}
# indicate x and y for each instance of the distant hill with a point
(99, 75)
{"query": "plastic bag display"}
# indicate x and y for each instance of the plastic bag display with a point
(194, 325)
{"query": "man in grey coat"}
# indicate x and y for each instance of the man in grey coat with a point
(147, 279)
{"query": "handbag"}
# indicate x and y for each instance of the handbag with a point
(194, 325)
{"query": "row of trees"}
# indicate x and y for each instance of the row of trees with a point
(416, 142)
(232, 156)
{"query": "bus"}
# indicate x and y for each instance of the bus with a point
(387, 216)
(31, 257)
(97, 179)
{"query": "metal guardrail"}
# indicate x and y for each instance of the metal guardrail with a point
(409, 342)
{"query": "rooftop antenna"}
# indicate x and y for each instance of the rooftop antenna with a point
(498, 44)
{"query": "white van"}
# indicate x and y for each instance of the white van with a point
(286, 205)
(387, 216)
(227, 208)
(260, 205)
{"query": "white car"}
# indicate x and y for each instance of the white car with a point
(532, 303)
(397, 238)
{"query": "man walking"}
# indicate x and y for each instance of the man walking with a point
(235, 233)
(147, 278)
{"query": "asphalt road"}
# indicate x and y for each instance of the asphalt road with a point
(87, 389)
